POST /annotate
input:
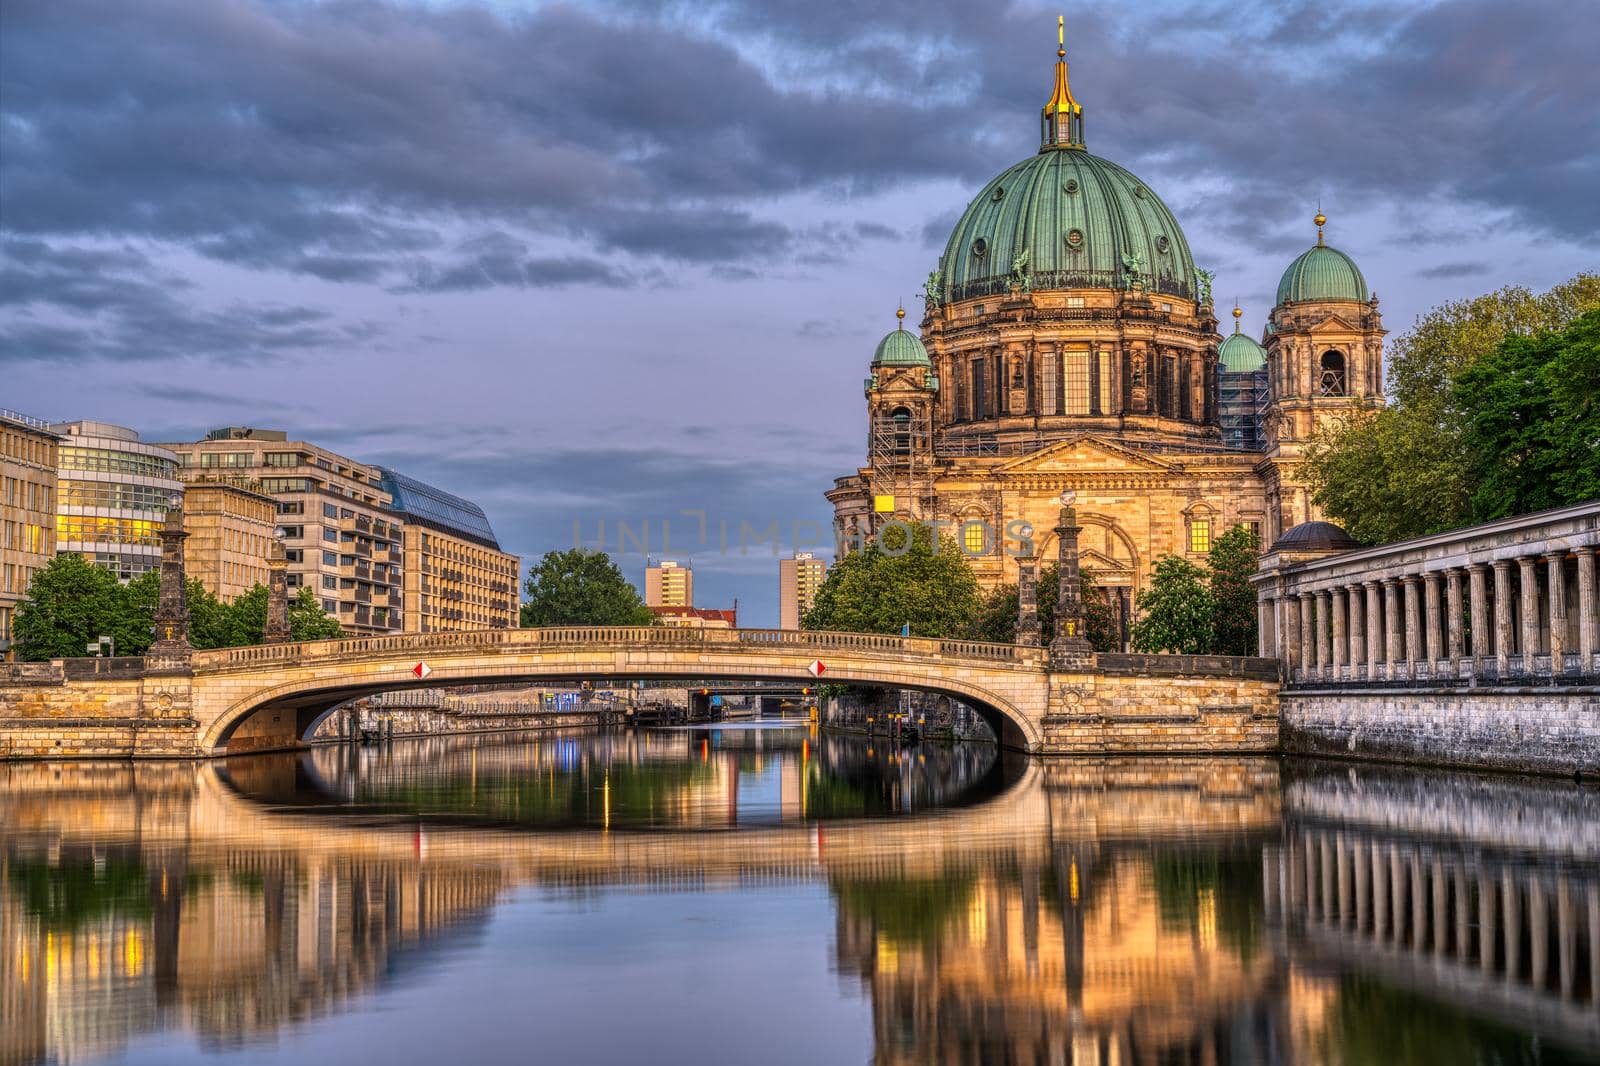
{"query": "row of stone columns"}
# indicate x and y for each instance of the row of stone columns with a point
(1395, 894)
(1436, 623)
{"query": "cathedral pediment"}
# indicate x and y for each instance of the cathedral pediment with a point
(1086, 453)
(1334, 323)
(903, 381)
(1088, 559)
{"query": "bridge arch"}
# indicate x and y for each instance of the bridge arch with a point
(281, 692)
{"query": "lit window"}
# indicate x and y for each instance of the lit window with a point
(974, 538)
(1075, 366)
(1200, 536)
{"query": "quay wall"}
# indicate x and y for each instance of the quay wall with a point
(1538, 729)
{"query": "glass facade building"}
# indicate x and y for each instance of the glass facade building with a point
(456, 576)
(112, 496)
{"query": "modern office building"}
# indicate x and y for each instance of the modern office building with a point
(112, 496)
(28, 457)
(799, 578)
(230, 526)
(668, 584)
(342, 542)
(456, 576)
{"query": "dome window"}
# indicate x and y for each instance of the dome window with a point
(980, 247)
(1138, 190)
(1070, 187)
(999, 193)
(1074, 238)
(1162, 244)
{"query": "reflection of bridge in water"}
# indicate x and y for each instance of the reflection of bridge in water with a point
(1095, 911)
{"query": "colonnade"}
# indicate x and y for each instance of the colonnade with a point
(1535, 929)
(1465, 605)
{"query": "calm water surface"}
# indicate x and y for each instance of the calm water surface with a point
(769, 895)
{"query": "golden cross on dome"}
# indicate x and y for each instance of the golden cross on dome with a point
(1061, 35)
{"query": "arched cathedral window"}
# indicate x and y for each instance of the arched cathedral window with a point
(1333, 381)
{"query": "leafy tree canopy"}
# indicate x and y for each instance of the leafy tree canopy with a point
(1233, 558)
(71, 602)
(892, 583)
(1388, 473)
(997, 619)
(1531, 415)
(580, 587)
(1177, 613)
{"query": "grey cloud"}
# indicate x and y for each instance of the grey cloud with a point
(1454, 270)
(73, 304)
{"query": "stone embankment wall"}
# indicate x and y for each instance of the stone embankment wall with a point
(1536, 730)
(1165, 703)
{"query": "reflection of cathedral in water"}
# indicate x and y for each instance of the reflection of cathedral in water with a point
(1095, 911)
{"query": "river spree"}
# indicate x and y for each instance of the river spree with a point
(771, 895)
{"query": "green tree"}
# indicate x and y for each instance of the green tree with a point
(1531, 411)
(1177, 613)
(891, 583)
(997, 615)
(580, 587)
(1388, 473)
(246, 618)
(72, 602)
(1233, 559)
(208, 616)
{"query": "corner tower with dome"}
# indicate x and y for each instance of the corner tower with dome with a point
(1067, 339)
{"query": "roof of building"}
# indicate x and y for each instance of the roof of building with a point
(1322, 272)
(1081, 221)
(1315, 537)
(1238, 353)
(729, 615)
(901, 347)
(435, 507)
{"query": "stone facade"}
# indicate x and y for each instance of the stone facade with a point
(28, 457)
(230, 529)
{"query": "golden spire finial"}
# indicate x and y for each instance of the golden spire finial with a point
(1063, 116)
(1237, 314)
(900, 313)
(1321, 220)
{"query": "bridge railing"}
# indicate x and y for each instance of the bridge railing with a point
(487, 639)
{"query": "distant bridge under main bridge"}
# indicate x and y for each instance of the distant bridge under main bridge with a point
(273, 696)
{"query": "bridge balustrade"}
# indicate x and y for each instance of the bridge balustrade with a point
(422, 643)
(1507, 602)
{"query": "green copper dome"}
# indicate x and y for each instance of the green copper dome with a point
(1323, 273)
(1084, 222)
(901, 348)
(1241, 355)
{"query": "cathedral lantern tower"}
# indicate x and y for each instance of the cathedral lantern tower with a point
(1324, 360)
(901, 394)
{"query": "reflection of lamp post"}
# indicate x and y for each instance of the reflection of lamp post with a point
(170, 652)
(1027, 592)
(1069, 650)
(276, 630)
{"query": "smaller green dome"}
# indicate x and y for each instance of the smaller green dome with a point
(901, 348)
(1241, 355)
(1323, 273)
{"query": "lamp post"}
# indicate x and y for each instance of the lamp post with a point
(1069, 650)
(1027, 592)
(276, 630)
(170, 653)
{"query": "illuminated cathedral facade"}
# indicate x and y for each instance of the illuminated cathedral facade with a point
(1068, 341)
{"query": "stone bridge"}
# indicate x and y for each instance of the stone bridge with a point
(272, 696)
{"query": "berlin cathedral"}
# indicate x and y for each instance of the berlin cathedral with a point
(1068, 341)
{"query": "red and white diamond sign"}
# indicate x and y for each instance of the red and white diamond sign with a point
(816, 668)
(421, 670)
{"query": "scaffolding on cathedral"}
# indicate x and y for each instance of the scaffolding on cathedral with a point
(900, 455)
(1240, 401)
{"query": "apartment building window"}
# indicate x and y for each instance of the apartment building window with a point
(327, 605)
(295, 555)
(329, 581)
(330, 559)
(292, 507)
(271, 485)
(329, 533)
(209, 460)
(330, 510)
(281, 459)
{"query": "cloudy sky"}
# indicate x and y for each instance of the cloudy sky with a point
(604, 263)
